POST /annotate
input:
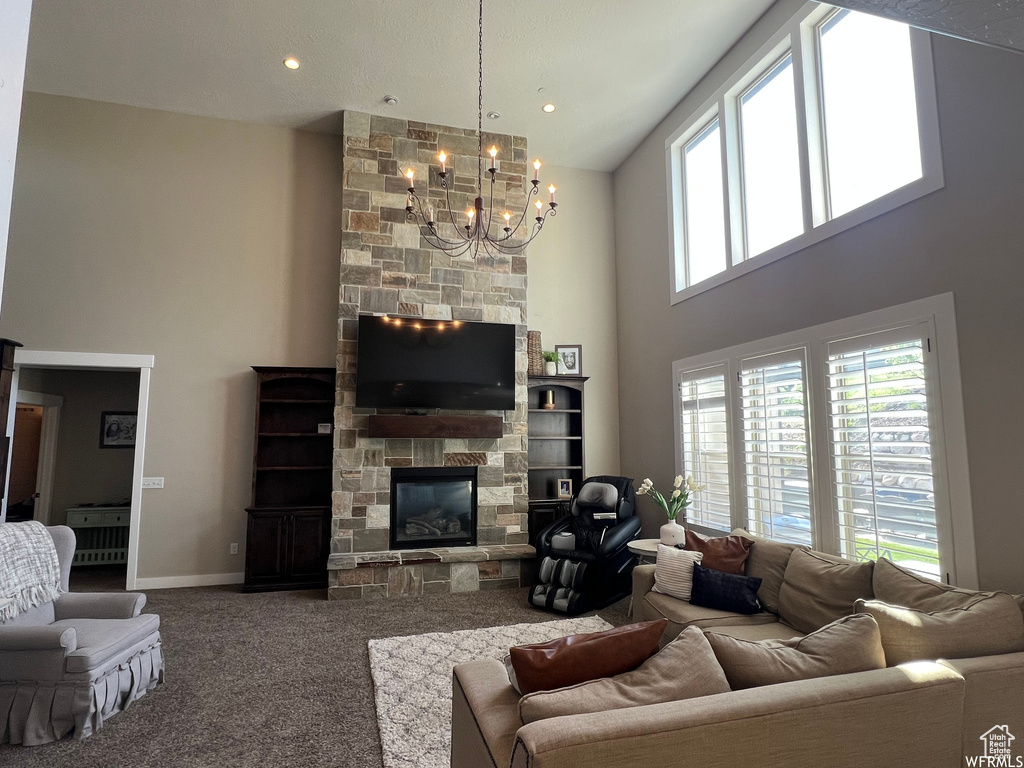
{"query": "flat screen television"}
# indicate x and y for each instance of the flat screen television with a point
(403, 363)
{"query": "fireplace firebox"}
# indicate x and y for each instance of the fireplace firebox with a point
(433, 507)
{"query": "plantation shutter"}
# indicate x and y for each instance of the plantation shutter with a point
(704, 445)
(776, 448)
(881, 445)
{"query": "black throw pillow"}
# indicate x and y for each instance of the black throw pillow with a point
(725, 591)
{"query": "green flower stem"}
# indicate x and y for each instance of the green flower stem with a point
(671, 507)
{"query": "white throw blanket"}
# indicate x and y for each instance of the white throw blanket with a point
(29, 569)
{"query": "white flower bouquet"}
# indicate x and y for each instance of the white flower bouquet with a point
(677, 501)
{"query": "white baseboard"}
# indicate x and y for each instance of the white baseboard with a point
(203, 580)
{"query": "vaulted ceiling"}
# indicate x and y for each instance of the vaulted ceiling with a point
(612, 68)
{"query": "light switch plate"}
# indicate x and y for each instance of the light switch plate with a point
(152, 482)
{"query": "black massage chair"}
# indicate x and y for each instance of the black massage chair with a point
(584, 562)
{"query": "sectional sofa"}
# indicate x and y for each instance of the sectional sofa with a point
(928, 713)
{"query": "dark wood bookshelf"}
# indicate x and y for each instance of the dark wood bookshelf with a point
(556, 446)
(289, 521)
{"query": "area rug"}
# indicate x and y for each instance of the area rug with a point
(412, 680)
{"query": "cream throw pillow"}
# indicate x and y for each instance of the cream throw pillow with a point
(990, 625)
(849, 644)
(684, 669)
(673, 571)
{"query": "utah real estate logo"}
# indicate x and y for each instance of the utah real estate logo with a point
(998, 750)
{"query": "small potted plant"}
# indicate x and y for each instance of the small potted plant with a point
(550, 363)
(672, 533)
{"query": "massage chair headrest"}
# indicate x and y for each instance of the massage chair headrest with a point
(597, 499)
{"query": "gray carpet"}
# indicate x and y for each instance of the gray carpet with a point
(273, 679)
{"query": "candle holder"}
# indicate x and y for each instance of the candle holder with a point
(549, 400)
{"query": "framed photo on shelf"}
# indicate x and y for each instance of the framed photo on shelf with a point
(570, 359)
(117, 429)
(565, 488)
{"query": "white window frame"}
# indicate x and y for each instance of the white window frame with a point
(800, 36)
(954, 514)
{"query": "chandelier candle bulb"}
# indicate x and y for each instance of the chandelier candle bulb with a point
(551, 189)
(430, 213)
(474, 239)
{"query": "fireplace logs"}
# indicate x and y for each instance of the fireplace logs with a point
(436, 522)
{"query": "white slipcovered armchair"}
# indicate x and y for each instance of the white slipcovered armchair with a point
(68, 665)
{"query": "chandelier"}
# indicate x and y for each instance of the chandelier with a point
(466, 239)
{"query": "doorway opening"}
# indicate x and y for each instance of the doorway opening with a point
(89, 410)
(23, 489)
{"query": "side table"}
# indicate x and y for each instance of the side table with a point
(645, 549)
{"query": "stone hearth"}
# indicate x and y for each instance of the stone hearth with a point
(407, 573)
(386, 267)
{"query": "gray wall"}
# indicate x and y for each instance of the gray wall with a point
(84, 472)
(965, 238)
(572, 299)
(210, 244)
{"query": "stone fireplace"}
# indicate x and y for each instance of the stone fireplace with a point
(433, 507)
(387, 268)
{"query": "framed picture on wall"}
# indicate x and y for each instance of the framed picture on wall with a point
(570, 359)
(117, 429)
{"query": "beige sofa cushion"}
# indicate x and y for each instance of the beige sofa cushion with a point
(767, 562)
(485, 714)
(849, 644)
(684, 669)
(990, 625)
(774, 631)
(819, 588)
(681, 614)
(898, 586)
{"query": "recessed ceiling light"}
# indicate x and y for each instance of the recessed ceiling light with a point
(494, 114)
(390, 100)
(548, 107)
(292, 63)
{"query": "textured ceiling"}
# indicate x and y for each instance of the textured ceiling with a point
(995, 22)
(614, 68)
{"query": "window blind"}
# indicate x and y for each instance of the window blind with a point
(776, 447)
(881, 447)
(704, 443)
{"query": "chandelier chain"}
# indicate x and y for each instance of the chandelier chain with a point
(474, 238)
(480, 103)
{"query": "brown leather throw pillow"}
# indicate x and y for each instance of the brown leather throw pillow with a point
(578, 658)
(727, 554)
